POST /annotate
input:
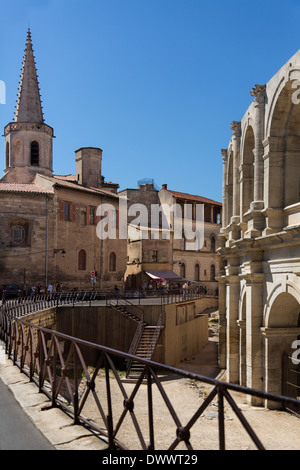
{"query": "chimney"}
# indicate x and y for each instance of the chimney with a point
(164, 186)
(88, 166)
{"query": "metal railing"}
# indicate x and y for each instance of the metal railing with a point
(56, 363)
(30, 304)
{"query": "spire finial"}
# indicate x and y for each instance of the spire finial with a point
(28, 106)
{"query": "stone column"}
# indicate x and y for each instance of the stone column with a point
(242, 352)
(254, 340)
(259, 93)
(222, 322)
(225, 190)
(236, 135)
(274, 160)
(232, 335)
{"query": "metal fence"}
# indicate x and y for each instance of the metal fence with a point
(56, 363)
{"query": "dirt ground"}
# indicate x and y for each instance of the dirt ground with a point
(277, 430)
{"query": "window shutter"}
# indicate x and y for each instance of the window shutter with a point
(73, 208)
(61, 210)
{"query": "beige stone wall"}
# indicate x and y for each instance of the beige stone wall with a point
(185, 334)
(259, 278)
(25, 261)
(76, 235)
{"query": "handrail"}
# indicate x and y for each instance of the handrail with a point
(39, 353)
(134, 344)
(155, 337)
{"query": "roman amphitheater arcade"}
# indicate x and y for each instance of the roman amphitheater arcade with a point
(259, 285)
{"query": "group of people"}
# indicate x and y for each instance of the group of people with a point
(31, 291)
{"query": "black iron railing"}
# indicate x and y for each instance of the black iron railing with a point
(57, 364)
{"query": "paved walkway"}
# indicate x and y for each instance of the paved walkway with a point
(25, 425)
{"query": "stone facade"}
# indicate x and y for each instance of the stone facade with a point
(164, 251)
(259, 286)
(49, 223)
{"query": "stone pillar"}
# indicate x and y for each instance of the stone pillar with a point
(242, 352)
(232, 335)
(222, 322)
(274, 159)
(236, 128)
(259, 93)
(225, 189)
(254, 340)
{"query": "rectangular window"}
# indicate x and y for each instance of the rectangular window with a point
(91, 215)
(67, 211)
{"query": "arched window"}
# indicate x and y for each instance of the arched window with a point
(212, 272)
(34, 153)
(212, 244)
(182, 270)
(197, 272)
(7, 155)
(112, 261)
(82, 260)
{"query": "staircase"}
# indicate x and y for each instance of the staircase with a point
(144, 349)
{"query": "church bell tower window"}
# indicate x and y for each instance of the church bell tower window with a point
(34, 153)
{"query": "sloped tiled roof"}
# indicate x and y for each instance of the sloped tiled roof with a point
(192, 197)
(70, 182)
(23, 188)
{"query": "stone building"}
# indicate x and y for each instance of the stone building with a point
(259, 286)
(164, 254)
(200, 264)
(48, 230)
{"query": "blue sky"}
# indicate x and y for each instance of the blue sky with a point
(154, 83)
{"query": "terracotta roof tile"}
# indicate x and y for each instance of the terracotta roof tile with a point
(23, 188)
(192, 197)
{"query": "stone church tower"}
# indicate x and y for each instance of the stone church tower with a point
(28, 140)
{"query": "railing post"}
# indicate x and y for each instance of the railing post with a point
(150, 411)
(221, 418)
(111, 444)
(75, 395)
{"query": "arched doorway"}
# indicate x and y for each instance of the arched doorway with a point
(282, 329)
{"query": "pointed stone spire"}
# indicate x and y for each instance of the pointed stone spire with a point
(29, 106)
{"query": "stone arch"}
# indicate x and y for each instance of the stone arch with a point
(284, 143)
(34, 153)
(283, 306)
(281, 320)
(247, 170)
(17, 153)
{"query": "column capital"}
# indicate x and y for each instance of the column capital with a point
(259, 93)
(236, 128)
(224, 153)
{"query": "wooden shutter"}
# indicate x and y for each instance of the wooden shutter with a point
(73, 209)
(62, 210)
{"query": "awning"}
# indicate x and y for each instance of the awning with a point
(164, 275)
